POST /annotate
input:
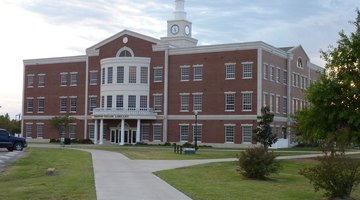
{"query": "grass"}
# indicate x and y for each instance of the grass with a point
(167, 153)
(222, 181)
(25, 178)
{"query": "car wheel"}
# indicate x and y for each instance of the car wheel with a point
(10, 149)
(18, 146)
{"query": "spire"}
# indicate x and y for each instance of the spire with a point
(179, 13)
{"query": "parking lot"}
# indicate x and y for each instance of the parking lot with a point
(7, 157)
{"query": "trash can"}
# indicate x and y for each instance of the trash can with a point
(67, 141)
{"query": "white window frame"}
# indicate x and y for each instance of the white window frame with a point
(271, 102)
(158, 74)
(245, 103)
(92, 102)
(73, 78)
(72, 130)
(157, 132)
(247, 70)
(41, 108)
(40, 130)
(73, 104)
(119, 102)
(198, 72)
(227, 136)
(63, 107)
(265, 99)
(93, 77)
(109, 101)
(278, 74)
(63, 79)
(266, 71)
(185, 73)
(272, 73)
(120, 74)
(41, 79)
(29, 104)
(277, 103)
(184, 132)
(197, 101)
(285, 77)
(157, 102)
(28, 129)
(110, 75)
(30, 80)
(144, 75)
(132, 102)
(143, 102)
(132, 74)
(230, 105)
(230, 71)
(198, 132)
(145, 132)
(245, 137)
(285, 105)
(184, 102)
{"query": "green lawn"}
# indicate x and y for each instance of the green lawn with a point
(221, 181)
(167, 153)
(25, 178)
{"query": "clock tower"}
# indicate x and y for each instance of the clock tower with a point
(179, 29)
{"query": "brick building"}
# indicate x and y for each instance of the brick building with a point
(133, 88)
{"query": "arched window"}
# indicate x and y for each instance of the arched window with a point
(125, 52)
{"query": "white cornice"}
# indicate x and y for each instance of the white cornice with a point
(229, 47)
(316, 67)
(70, 59)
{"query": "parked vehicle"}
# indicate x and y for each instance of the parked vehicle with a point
(11, 142)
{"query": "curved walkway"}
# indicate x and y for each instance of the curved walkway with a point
(117, 177)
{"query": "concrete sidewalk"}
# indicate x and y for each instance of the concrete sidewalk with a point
(117, 177)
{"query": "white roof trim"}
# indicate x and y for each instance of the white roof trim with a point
(93, 48)
(70, 59)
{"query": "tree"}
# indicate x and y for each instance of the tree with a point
(61, 122)
(263, 132)
(333, 117)
(12, 126)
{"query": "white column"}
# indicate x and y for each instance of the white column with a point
(122, 131)
(96, 128)
(138, 131)
(101, 141)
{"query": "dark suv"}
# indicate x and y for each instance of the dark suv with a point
(10, 142)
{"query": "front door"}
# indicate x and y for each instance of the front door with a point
(114, 136)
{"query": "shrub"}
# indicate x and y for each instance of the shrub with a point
(258, 163)
(54, 140)
(85, 141)
(188, 145)
(167, 144)
(337, 175)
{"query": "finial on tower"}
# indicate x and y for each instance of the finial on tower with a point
(179, 13)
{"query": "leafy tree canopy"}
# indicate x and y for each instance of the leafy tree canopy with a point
(334, 115)
(263, 132)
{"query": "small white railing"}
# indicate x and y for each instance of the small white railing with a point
(121, 112)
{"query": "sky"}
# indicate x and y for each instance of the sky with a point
(51, 28)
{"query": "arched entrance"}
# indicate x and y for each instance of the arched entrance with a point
(129, 134)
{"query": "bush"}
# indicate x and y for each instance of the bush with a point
(188, 145)
(167, 144)
(257, 163)
(337, 175)
(54, 140)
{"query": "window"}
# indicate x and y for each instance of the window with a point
(184, 102)
(305, 83)
(278, 75)
(299, 63)
(277, 104)
(302, 82)
(30, 80)
(41, 80)
(102, 101)
(109, 101)
(247, 101)
(272, 73)
(184, 133)
(132, 74)
(230, 101)
(120, 74)
(92, 103)
(144, 75)
(247, 70)
(198, 72)
(131, 102)
(73, 78)
(91, 131)
(109, 75)
(125, 53)
(285, 103)
(28, 130)
(197, 101)
(63, 102)
(271, 104)
(145, 129)
(73, 104)
(285, 77)
(41, 105)
(30, 104)
(294, 80)
(72, 131)
(143, 102)
(298, 80)
(266, 99)
(119, 101)
(230, 71)
(40, 130)
(229, 133)
(266, 71)
(93, 77)
(103, 76)
(63, 79)
(197, 129)
(185, 73)
(157, 102)
(158, 71)
(246, 134)
(157, 132)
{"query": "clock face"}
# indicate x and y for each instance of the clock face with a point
(175, 29)
(187, 30)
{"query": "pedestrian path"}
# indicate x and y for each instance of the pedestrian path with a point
(117, 177)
